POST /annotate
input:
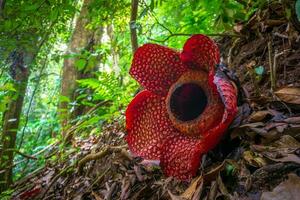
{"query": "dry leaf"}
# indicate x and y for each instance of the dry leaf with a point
(213, 191)
(96, 196)
(258, 116)
(212, 174)
(222, 187)
(238, 27)
(174, 197)
(287, 158)
(289, 189)
(254, 160)
(281, 150)
(293, 120)
(289, 95)
(287, 141)
(193, 188)
(253, 125)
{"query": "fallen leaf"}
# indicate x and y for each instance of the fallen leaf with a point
(287, 141)
(174, 197)
(289, 95)
(252, 125)
(287, 158)
(238, 27)
(222, 187)
(293, 120)
(212, 174)
(96, 196)
(289, 189)
(193, 188)
(213, 191)
(254, 160)
(258, 116)
(281, 150)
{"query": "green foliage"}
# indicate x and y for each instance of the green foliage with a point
(297, 8)
(109, 92)
(259, 70)
(189, 17)
(6, 195)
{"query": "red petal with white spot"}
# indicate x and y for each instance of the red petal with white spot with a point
(156, 68)
(151, 135)
(228, 94)
(201, 52)
(181, 156)
(147, 125)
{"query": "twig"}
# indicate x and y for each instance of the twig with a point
(30, 102)
(280, 35)
(189, 34)
(74, 127)
(274, 66)
(132, 24)
(229, 59)
(96, 156)
(99, 178)
(37, 153)
(271, 66)
(25, 155)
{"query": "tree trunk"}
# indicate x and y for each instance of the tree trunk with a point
(2, 4)
(132, 24)
(82, 39)
(11, 118)
(114, 52)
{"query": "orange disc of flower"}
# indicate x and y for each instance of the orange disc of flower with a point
(192, 105)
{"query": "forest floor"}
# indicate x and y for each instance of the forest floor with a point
(258, 159)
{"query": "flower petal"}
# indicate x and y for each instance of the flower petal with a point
(147, 125)
(156, 67)
(228, 94)
(201, 52)
(181, 156)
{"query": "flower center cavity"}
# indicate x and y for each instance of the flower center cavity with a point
(188, 101)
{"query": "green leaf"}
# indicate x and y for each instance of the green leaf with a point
(8, 87)
(53, 15)
(80, 64)
(259, 70)
(32, 7)
(229, 169)
(297, 8)
(64, 99)
(91, 63)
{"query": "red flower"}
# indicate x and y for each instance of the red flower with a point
(185, 108)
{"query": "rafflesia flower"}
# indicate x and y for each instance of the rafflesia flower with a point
(185, 108)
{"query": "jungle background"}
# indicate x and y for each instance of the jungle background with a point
(64, 87)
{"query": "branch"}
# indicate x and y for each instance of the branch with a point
(188, 34)
(31, 101)
(74, 127)
(132, 24)
(97, 156)
(25, 155)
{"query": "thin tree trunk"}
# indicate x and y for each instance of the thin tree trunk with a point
(11, 119)
(132, 24)
(70, 73)
(2, 4)
(114, 52)
(82, 39)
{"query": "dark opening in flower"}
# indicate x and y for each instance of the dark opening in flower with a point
(188, 101)
(185, 107)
